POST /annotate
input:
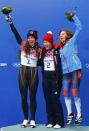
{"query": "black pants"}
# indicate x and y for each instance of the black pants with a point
(28, 79)
(52, 93)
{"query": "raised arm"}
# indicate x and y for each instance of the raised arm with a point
(14, 30)
(78, 25)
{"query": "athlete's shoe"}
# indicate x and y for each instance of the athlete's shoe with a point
(25, 123)
(70, 118)
(78, 120)
(57, 126)
(49, 125)
(32, 124)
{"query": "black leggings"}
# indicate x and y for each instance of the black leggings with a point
(28, 79)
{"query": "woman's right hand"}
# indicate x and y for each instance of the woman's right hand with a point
(8, 18)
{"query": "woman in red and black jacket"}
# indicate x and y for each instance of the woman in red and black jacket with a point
(52, 82)
(28, 74)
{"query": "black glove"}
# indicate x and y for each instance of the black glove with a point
(8, 18)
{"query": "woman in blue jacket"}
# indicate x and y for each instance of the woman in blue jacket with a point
(71, 66)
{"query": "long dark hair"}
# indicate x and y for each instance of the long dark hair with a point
(27, 48)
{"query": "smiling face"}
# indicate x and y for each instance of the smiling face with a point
(47, 45)
(31, 40)
(63, 37)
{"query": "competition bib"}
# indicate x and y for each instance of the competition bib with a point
(30, 60)
(49, 63)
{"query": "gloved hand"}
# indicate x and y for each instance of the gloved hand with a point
(8, 18)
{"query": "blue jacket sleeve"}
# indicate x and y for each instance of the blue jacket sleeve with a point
(78, 28)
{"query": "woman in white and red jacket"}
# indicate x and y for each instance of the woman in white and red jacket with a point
(28, 74)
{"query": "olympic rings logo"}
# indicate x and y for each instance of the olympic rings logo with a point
(17, 65)
(3, 64)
